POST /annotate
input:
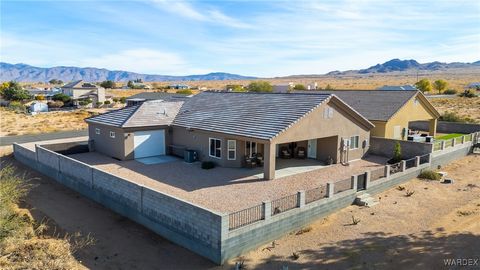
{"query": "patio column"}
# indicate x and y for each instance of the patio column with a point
(432, 127)
(269, 162)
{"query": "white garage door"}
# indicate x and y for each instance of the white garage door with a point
(149, 143)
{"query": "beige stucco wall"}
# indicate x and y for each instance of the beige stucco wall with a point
(409, 112)
(379, 129)
(341, 125)
(102, 143)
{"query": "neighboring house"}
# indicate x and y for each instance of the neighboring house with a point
(398, 87)
(228, 128)
(475, 85)
(80, 90)
(179, 86)
(47, 94)
(283, 88)
(390, 111)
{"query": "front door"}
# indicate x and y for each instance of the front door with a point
(312, 148)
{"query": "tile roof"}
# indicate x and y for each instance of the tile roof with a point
(156, 95)
(149, 113)
(374, 104)
(255, 115)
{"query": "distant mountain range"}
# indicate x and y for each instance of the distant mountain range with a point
(408, 65)
(26, 73)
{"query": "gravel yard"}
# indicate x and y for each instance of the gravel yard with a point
(223, 189)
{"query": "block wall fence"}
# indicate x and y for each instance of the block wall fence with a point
(203, 231)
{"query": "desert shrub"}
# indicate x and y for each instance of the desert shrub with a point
(123, 100)
(115, 99)
(40, 97)
(299, 87)
(468, 93)
(430, 175)
(98, 103)
(107, 102)
(450, 92)
(61, 97)
(17, 106)
(185, 92)
(397, 154)
(453, 117)
(55, 104)
(207, 165)
(260, 86)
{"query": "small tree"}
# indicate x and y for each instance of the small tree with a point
(123, 100)
(61, 97)
(260, 86)
(15, 92)
(440, 85)
(115, 99)
(108, 84)
(424, 85)
(328, 87)
(98, 103)
(397, 153)
(40, 97)
(299, 87)
(130, 84)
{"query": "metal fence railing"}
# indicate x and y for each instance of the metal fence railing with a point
(410, 163)
(246, 216)
(395, 168)
(469, 137)
(315, 194)
(284, 204)
(342, 185)
(458, 140)
(424, 159)
(377, 174)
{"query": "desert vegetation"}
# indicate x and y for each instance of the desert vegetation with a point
(26, 243)
(467, 109)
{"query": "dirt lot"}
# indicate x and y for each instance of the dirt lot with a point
(464, 107)
(438, 222)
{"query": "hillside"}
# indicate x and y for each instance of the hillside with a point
(27, 73)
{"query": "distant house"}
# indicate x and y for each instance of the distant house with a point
(398, 87)
(179, 86)
(474, 85)
(47, 94)
(148, 96)
(283, 88)
(80, 90)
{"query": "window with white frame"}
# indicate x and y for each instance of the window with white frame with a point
(215, 148)
(97, 131)
(112, 134)
(354, 142)
(232, 149)
(250, 148)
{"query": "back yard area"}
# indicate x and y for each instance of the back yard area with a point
(437, 222)
(228, 189)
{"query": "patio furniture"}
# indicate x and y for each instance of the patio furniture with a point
(258, 157)
(301, 153)
(285, 153)
(250, 162)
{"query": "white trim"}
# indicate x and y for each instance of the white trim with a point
(97, 131)
(351, 143)
(112, 134)
(209, 147)
(234, 149)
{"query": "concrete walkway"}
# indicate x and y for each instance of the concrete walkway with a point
(9, 140)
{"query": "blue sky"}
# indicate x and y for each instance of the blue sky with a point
(259, 38)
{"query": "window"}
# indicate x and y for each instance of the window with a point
(354, 142)
(232, 149)
(250, 148)
(328, 112)
(112, 134)
(215, 148)
(97, 131)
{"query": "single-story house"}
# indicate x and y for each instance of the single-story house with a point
(391, 111)
(146, 96)
(80, 90)
(179, 86)
(229, 128)
(37, 107)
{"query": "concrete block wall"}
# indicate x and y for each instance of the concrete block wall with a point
(186, 224)
(384, 147)
(246, 238)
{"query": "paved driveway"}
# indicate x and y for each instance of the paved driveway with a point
(225, 189)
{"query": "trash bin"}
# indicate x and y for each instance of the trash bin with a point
(190, 156)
